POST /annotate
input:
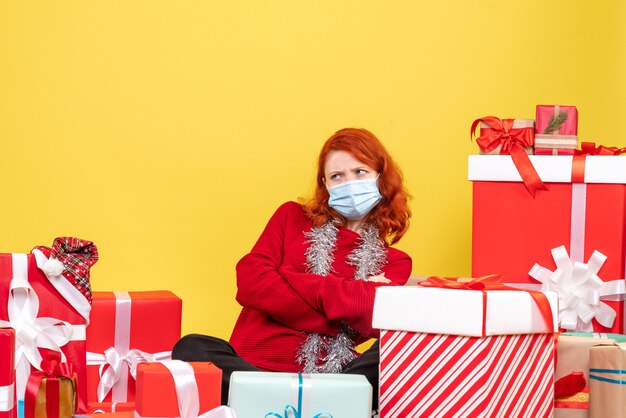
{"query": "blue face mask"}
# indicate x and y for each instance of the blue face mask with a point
(354, 199)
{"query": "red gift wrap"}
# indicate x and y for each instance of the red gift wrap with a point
(158, 388)
(583, 210)
(47, 314)
(545, 114)
(8, 407)
(127, 328)
(424, 375)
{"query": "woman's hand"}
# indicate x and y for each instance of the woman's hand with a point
(379, 278)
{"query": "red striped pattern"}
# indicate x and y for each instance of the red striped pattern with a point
(431, 375)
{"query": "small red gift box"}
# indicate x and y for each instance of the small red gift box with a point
(583, 210)
(51, 393)
(501, 135)
(47, 314)
(7, 374)
(523, 129)
(160, 385)
(132, 327)
(556, 121)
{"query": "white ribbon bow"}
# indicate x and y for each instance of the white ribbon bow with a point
(31, 332)
(114, 366)
(580, 290)
(187, 393)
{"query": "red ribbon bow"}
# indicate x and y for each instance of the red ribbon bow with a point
(513, 142)
(589, 148)
(569, 385)
(492, 282)
(53, 370)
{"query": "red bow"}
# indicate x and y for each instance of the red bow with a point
(589, 148)
(569, 385)
(492, 282)
(53, 370)
(513, 142)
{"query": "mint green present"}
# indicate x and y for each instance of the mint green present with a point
(619, 338)
(287, 395)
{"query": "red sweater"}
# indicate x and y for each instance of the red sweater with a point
(282, 302)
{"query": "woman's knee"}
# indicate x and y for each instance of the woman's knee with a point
(196, 347)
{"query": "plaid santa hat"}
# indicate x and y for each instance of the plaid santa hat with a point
(72, 258)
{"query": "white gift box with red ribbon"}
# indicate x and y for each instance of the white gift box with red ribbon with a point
(458, 352)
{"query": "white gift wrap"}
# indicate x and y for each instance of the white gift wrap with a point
(280, 395)
(551, 168)
(459, 312)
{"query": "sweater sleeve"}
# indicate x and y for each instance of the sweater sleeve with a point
(260, 286)
(351, 301)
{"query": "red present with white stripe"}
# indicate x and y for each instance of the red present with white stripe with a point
(7, 374)
(511, 232)
(128, 328)
(48, 313)
(423, 373)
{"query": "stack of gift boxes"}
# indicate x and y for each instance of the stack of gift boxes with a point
(65, 350)
(550, 220)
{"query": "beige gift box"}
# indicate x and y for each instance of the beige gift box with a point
(573, 356)
(607, 381)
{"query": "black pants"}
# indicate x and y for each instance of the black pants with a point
(195, 347)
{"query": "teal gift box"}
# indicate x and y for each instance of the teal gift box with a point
(283, 395)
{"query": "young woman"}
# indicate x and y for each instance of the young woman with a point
(307, 287)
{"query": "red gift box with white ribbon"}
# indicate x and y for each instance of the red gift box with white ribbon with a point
(47, 312)
(465, 351)
(174, 388)
(8, 407)
(570, 238)
(127, 328)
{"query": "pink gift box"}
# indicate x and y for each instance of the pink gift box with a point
(546, 112)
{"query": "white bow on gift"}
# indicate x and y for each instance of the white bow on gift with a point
(31, 332)
(187, 393)
(580, 290)
(112, 366)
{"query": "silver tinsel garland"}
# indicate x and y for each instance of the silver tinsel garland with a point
(368, 258)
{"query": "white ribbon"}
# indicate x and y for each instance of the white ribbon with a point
(580, 290)
(116, 362)
(53, 270)
(7, 397)
(113, 367)
(32, 332)
(187, 393)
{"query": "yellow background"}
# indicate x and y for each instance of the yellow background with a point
(169, 131)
